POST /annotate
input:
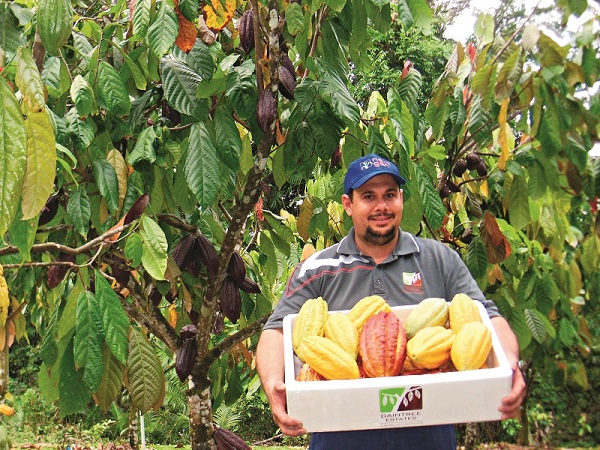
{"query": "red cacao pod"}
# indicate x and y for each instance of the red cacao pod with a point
(382, 345)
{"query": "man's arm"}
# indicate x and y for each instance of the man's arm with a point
(511, 404)
(270, 366)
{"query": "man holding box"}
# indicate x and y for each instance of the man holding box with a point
(376, 258)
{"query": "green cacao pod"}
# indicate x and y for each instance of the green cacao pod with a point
(54, 23)
(431, 312)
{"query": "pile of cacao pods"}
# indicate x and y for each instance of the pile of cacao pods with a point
(370, 340)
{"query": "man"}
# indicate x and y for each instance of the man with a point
(376, 257)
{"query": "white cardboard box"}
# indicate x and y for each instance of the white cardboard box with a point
(402, 401)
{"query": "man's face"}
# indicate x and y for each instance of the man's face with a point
(376, 210)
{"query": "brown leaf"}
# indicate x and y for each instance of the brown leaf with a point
(496, 244)
(186, 38)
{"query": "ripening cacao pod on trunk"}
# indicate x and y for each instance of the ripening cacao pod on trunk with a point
(365, 308)
(219, 324)
(188, 331)
(472, 160)
(430, 347)
(7, 410)
(184, 252)
(208, 254)
(287, 82)
(460, 167)
(431, 312)
(307, 373)
(462, 310)
(329, 359)
(471, 346)
(236, 268)
(228, 440)
(287, 63)
(246, 31)
(186, 358)
(49, 211)
(230, 300)
(266, 110)
(382, 346)
(310, 321)
(57, 273)
(341, 330)
(249, 286)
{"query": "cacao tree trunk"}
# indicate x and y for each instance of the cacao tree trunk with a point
(4, 365)
(471, 438)
(200, 404)
(134, 441)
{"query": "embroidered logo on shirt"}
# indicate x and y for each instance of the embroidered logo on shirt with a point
(412, 282)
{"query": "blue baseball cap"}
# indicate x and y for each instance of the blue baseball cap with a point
(363, 169)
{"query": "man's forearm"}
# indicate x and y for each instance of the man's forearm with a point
(507, 339)
(269, 357)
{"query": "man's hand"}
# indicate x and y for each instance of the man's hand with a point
(511, 404)
(288, 425)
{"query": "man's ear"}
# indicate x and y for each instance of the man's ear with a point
(347, 204)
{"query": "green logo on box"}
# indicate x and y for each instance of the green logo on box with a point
(400, 399)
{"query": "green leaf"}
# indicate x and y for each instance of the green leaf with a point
(82, 132)
(88, 339)
(234, 386)
(154, 250)
(402, 120)
(294, 18)
(111, 382)
(241, 91)
(518, 323)
(202, 166)
(83, 96)
(112, 90)
(518, 204)
(134, 249)
(13, 155)
(163, 31)
(143, 153)
(268, 256)
(11, 35)
(189, 9)
(434, 207)
(333, 89)
(336, 5)
(409, 88)
(421, 13)
(22, 235)
(141, 17)
(228, 140)
(79, 210)
(484, 30)
(55, 77)
(200, 60)
(477, 259)
(54, 23)
(144, 375)
(107, 182)
(115, 321)
(180, 83)
(38, 183)
(29, 81)
(535, 322)
(73, 392)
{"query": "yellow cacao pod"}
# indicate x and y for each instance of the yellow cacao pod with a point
(462, 310)
(382, 346)
(431, 312)
(430, 347)
(6, 410)
(341, 330)
(310, 321)
(365, 308)
(307, 373)
(471, 346)
(329, 359)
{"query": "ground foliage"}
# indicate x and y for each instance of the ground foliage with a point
(140, 142)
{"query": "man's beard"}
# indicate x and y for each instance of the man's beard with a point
(379, 239)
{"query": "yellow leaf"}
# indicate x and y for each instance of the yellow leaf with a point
(116, 160)
(41, 162)
(217, 15)
(306, 213)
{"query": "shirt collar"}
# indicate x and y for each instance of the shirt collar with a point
(406, 245)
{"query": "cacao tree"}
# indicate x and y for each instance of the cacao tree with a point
(140, 142)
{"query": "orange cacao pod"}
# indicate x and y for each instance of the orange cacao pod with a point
(340, 329)
(461, 311)
(365, 308)
(383, 345)
(329, 359)
(431, 312)
(471, 346)
(430, 347)
(307, 373)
